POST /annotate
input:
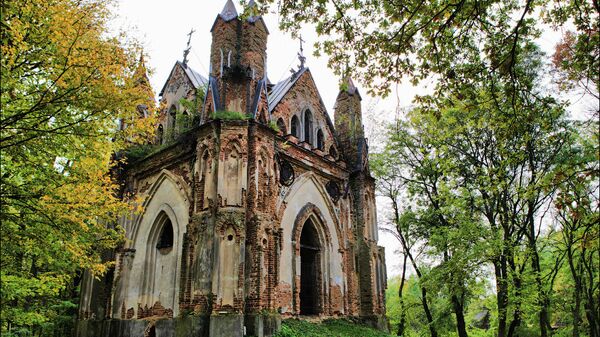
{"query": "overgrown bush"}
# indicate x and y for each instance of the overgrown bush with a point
(230, 115)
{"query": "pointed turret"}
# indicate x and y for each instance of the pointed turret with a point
(348, 122)
(229, 12)
(253, 11)
(237, 60)
(142, 81)
(140, 75)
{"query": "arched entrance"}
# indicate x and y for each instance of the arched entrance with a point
(310, 270)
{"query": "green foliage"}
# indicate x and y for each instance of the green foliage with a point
(64, 83)
(333, 327)
(194, 105)
(230, 115)
(478, 168)
(185, 121)
(273, 125)
(382, 42)
(137, 152)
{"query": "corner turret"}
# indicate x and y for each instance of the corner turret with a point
(348, 123)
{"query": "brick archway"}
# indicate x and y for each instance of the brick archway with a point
(312, 244)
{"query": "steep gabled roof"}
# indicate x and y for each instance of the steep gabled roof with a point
(281, 89)
(195, 78)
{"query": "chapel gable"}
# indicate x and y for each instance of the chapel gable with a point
(181, 97)
(299, 111)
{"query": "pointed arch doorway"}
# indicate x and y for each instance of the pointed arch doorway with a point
(310, 270)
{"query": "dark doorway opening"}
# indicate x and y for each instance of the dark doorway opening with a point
(310, 270)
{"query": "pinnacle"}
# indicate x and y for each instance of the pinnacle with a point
(229, 12)
(349, 86)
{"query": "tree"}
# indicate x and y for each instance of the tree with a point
(65, 84)
(384, 42)
(578, 213)
(390, 181)
(481, 168)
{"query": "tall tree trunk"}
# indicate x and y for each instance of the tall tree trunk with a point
(457, 303)
(542, 299)
(532, 204)
(428, 314)
(592, 303)
(501, 273)
(458, 306)
(407, 252)
(402, 324)
(576, 312)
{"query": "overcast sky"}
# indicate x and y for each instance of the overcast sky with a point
(162, 27)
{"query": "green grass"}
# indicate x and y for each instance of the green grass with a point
(329, 328)
(230, 115)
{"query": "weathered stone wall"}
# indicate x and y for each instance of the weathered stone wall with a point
(238, 197)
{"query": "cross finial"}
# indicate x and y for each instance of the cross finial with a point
(301, 53)
(188, 47)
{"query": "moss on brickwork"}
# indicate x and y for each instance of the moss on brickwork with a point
(329, 328)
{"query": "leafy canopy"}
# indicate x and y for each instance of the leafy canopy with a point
(65, 84)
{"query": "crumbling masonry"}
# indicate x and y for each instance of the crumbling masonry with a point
(245, 220)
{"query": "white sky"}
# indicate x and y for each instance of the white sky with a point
(162, 27)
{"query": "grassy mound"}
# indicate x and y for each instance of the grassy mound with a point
(328, 328)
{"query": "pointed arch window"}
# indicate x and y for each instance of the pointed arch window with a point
(159, 135)
(165, 240)
(185, 123)
(308, 122)
(320, 140)
(295, 126)
(172, 116)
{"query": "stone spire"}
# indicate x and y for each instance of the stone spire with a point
(229, 12)
(348, 121)
(349, 87)
(140, 76)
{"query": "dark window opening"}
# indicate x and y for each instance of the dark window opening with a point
(286, 173)
(308, 127)
(320, 140)
(151, 332)
(295, 127)
(166, 236)
(173, 116)
(310, 270)
(281, 126)
(159, 135)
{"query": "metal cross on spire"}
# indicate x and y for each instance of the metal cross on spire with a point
(301, 53)
(188, 47)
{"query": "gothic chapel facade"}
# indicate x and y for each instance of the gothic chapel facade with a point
(244, 223)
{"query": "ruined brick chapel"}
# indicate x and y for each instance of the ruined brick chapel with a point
(257, 207)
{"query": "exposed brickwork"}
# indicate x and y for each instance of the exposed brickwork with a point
(239, 233)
